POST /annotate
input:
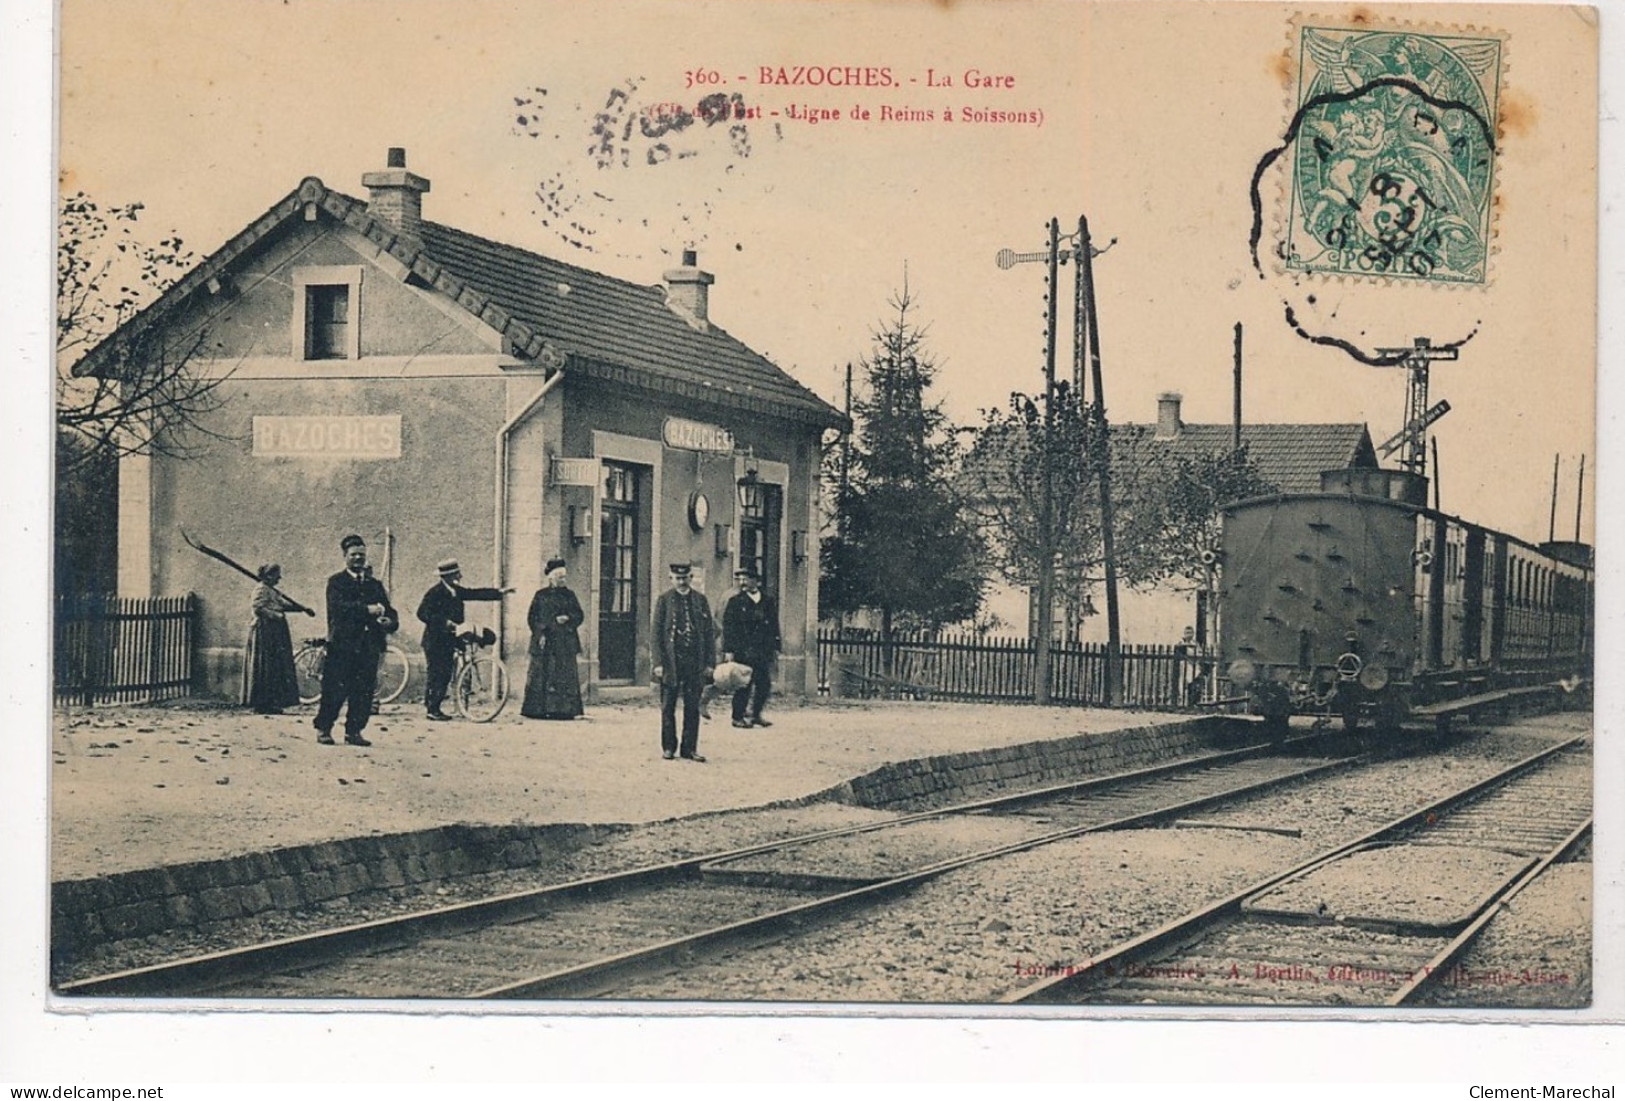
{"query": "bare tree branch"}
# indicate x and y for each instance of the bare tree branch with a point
(148, 393)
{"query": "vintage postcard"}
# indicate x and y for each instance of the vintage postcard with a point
(923, 507)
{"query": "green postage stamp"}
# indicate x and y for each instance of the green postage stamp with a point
(1393, 149)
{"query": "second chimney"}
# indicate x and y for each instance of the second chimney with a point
(688, 290)
(395, 196)
(1168, 422)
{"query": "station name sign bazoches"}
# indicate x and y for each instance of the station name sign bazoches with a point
(334, 437)
(689, 435)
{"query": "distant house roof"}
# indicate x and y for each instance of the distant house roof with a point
(600, 326)
(1289, 456)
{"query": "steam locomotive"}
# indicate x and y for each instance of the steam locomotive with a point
(1361, 601)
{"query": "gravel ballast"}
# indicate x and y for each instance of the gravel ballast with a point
(1535, 954)
(978, 933)
(1419, 885)
(975, 934)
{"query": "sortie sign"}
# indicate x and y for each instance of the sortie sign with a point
(690, 435)
(328, 437)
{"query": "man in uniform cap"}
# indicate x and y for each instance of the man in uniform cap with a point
(359, 622)
(684, 640)
(441, 611)
(750, 636)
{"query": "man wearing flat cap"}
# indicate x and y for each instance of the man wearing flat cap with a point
(359, 622)
(750, 636)
(684, 641)
(441, 611)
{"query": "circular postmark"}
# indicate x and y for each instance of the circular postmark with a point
(600, 202)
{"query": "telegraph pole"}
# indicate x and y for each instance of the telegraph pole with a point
(1086, 341)
(846, 456)
(1114, 646)
(1045, 628)
(1551, 525)
(1043, 622)
(1437, 507)
(1235, 430)
(1579, 499)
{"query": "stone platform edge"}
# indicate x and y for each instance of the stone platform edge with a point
(209, 896)
(958, 777)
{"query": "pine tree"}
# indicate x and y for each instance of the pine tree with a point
(901, 545)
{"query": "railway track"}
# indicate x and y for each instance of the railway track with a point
(1377, 921)
(550, 942)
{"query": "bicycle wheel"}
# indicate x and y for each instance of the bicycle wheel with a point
(307, 671)
(393, 673)
(482, 689)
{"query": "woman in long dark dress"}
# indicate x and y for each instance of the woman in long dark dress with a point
(552, 690)
(269, 683)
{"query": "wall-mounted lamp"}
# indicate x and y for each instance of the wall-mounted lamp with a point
(750, 486)
(798, 547)
(722, 540)
(580, 524)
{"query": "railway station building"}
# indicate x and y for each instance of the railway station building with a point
(448, 396)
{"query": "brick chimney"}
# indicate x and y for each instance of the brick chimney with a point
(688, 291)
(1168, 422)
(395, 196)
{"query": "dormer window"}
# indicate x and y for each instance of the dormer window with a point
(327, 321)
(327, 313)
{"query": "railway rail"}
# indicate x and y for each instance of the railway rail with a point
(548, 942)
(1313, 935)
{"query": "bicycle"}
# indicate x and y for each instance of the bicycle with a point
(393, 672)
(479, 679)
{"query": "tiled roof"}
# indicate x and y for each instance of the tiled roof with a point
(1290, 456)
(608, 327)
(620, 330)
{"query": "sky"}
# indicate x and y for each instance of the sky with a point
(1153, 120)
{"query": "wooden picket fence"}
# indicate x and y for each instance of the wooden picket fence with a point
(973, 667)
(121, 650)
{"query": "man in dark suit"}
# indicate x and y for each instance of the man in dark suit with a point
(441, 611)
(684, 640)
(359, 622)
(750, 636)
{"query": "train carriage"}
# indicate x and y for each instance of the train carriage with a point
(1361, 601)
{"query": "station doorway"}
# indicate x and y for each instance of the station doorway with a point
(623, 528)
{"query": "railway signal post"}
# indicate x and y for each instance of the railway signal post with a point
(1418, 416)
(1085, 349)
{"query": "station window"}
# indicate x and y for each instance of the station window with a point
(327, 321)
(327, 312)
